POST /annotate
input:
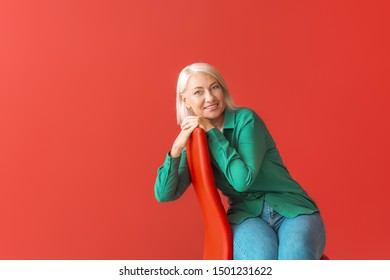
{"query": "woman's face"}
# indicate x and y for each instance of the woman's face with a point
(204, 95)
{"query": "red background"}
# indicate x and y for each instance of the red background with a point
(87, 96)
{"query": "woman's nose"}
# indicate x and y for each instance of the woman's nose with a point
(209, 96)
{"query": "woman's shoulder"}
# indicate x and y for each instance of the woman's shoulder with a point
(246, 113)
(244, 116)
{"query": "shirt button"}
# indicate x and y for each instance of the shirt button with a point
(274, 205)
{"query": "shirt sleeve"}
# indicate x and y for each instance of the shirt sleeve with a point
(240, 163)
(173, 178)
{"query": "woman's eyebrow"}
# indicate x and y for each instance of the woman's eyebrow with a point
(200, 87)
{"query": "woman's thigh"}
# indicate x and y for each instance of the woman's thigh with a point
(254, 239)
(302, 237)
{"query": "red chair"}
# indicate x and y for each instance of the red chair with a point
(217, 233)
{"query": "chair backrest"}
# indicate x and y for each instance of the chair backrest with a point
(217, 232)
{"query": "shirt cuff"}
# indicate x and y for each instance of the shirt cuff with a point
(171, 162)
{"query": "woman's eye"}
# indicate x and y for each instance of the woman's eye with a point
(215, 87)
(197, 92)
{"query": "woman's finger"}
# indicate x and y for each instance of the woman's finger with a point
(189, 121)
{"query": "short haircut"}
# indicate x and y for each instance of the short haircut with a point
(181, 110)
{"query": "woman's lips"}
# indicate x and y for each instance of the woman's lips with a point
(211, 107)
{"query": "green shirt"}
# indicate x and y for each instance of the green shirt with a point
(247, 169)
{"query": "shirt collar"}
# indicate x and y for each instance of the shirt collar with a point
(228, 122)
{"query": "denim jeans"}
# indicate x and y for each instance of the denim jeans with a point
(272, 236)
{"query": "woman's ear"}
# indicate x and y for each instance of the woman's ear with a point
(185, 100)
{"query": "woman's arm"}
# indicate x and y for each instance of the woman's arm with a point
(173, 178)
(240, 164)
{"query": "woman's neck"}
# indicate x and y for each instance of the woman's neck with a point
(218, 123)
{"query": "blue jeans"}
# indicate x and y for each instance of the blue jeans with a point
(272, 236)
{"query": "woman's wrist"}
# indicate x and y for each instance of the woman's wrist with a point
(175, 152)
(208, 127)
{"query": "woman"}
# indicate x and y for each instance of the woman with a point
(271, 216)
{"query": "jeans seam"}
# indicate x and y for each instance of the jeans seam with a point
(242, 251)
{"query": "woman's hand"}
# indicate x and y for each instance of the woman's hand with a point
(187, 127)
(204, 123)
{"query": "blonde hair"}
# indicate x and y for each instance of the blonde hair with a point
(181, 110)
